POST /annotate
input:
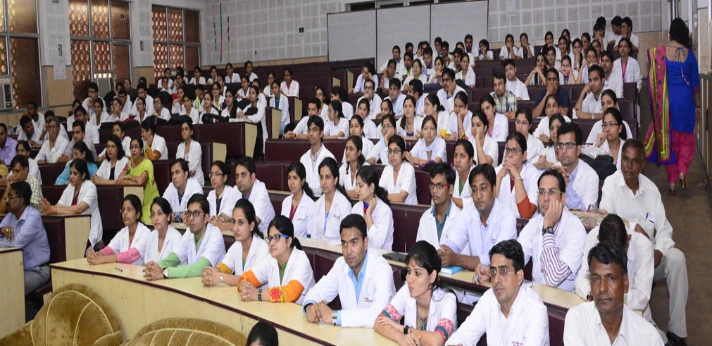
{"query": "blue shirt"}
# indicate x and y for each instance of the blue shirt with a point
(573, 201)
(30, 235)
(561, 96)
(8, 152)
(683, 81)
(438, 224)
(63, 178)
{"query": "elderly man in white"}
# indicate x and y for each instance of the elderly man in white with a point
(361, 278)
(510, 313)
(635, 198)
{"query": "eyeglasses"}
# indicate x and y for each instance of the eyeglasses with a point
(503, 271)
(135, 147)
(550, 192)
(515, 151)
(607, 125)
(215, 175)
(275, 238)
(394, 151)
(523, 123)
(387, 126)
(10, 197)
(567, 145)
(188, 214)
(438, 186)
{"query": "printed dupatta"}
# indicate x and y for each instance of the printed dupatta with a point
(658, 139)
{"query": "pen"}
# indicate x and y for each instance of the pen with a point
(119, 269)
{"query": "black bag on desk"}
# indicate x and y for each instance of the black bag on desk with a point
(602, 164)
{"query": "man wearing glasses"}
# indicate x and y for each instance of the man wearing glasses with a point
(448, 91)
(581, 179)
(437, 223)
(374, 101)
(22, 227)
(20, 170)
(181, 189)
(510, 313)
(505, 100)
(554, 239)
(481, 225)
(201, 246)
(53, 148)
(552, 88)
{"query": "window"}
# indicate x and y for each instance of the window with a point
(19, 53)
(176, 39)
(100, 42)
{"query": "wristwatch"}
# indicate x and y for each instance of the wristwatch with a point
(547, 230)
(334, 317)
(405, 330)
(221, 278)
(165, 273)
(259, 294)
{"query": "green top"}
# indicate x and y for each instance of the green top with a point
(175, 270)
(150, 191)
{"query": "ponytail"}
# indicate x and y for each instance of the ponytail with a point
(370, 177)
(296, 243)
(298, 168)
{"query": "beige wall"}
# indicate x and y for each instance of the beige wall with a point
(278, 62)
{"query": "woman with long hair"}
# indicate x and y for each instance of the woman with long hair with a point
(373, 206)
(299, 204)
(129, 244)
(353, 161)
(331, 207)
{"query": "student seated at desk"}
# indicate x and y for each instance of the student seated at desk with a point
(437, 222)
(301, 130)
(499, 124)
(410, 124)
(164, 239)
(191, 151)
(614, 136)
(207, 112)
(420, 294)
(118, 130)
(139, 112)
(549, 157)
(523, 125)
(486, 148)
(79, 197)
(281, 103)
(117, 110)
(373, 206)
(398, 178)
(510, 312)
(581, 180)
(361, 278)
(254, 190)
(462, 116)
(23, 149)
(159, 111)
(331, 207)
(353, 161)
(55, 146)
(222, 197)
(80, 152)
(181, 189)
(188, 109)
(299, 204)
(78, 135)
(337, 126)
(154, 144)
(201, 246)
(129, 245)
(246, 252)
(139, 172)
(316, 154)
(462, 166)
(29, 133)
(429, 148)
(481, 224)
(363, 110)
(19, 169)
(100, 115)
(116, 161)
(553, 239)
(606, 319)
(517, 179)
(379, 151)
(29, 235)
(287, 273)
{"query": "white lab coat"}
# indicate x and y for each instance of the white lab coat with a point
(598, 128)
(290, 90)
(282, 106)
(585, 185)
(543, 127)
(377, 289)
(171, 244)
(194, 158)
(379, 151)
(52, 155)
(312, 167)
(346, 179)
(229, 198)
(171, 195)
(328, 226)
(507, 194)
(442, 311)
(466, 193)
(428, 230)
(436, 149)
(380, 235)
(605, 146)
(212, 246)
(298, 268)
(259, 251)
(406, 182)
(87, 194)
(120, 242)
(534, 148)
(632, 72)
(491, 149)
(159, 144)
(259, 197)
(105, 169)
(302, 216)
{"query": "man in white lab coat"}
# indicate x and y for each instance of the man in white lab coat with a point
(317, 153)
(362, 279)
(581, 179)
(509, 313)
(181, 189)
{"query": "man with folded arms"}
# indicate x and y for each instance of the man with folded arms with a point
(362, 279)
(607, 320)
(510, 313)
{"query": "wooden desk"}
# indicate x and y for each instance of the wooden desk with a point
(138, 302)
(69, 236)
(12, 299)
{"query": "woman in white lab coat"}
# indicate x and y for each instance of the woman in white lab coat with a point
(256, 116)
(517, 180)
(299, 204)
(486, 148)
(353, 161)
(379, 151)
(373, 206)
(249, 244)
(113, 165)
(523, 125)
(222, 197)
(613, 136)
(160, 111)
(154, 144)
(626, 65)
(462, 157)
(129, 245)
(332, 206)
(498, 123)
(548, 157)
(336, 126)
(421, 292)
(401, 185)
(164, 239)
(287, 274)
(430, 147)
(79, 198)
(191, 151)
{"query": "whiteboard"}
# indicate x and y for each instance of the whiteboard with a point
(453, 21)
(352, 35)
(397, 26)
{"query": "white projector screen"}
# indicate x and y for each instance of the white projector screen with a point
(352, 35)
(396, 26)
(453, 21)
